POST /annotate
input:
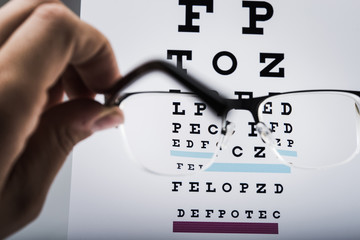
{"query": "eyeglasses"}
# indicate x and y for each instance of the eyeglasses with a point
(178, 133)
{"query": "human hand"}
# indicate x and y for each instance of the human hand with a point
(45, 50)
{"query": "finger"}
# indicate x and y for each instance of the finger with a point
(55, 95)
(60, 129)
(74, 85)
(14, 13)
(34, 57)
(54, 36)
(39, 51)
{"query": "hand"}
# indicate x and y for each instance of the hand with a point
(45, 50)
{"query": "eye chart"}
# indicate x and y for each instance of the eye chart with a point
(241, 49)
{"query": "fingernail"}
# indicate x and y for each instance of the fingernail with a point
(108, 119)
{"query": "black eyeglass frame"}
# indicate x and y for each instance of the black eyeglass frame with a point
(218, 103)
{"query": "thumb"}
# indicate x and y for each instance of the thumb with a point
(67, 124)
(60, 128)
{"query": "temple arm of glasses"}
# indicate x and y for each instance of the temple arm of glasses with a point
(214, 100)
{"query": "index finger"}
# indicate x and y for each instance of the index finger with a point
(14, 13)
(53, 37)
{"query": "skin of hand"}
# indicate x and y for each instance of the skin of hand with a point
(46, 51)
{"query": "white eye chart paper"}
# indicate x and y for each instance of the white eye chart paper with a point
(240, 49)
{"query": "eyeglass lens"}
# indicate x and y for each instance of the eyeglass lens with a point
(313, 129)
(177, 133)
(171, 133)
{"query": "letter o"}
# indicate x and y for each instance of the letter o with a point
(226, 187)
(235, 214)
(218, 69)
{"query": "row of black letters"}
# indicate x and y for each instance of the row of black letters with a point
(200, 107)
(259, 11)
(270, 70)
(221, 213)
(260, 188)
(195, 128)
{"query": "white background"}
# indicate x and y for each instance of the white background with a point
(111, 197)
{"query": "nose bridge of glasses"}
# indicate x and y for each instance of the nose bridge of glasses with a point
(249, 104)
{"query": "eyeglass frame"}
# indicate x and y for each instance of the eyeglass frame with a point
(218, 103)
